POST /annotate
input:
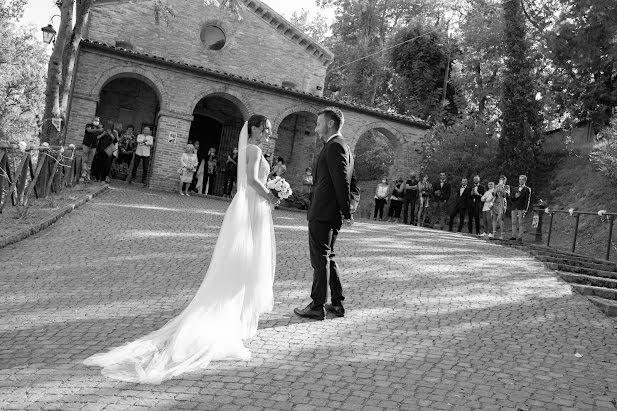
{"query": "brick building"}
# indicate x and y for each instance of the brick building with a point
(203, 74)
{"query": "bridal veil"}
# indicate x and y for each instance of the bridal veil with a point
(225, 310)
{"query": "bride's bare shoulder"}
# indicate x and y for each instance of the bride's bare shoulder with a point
(252, 149)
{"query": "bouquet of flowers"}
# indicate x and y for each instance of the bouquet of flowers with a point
(279, 187)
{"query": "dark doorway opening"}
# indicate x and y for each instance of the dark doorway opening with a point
(217, 122)
(207, 131)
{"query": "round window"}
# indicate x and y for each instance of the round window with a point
(213, 37)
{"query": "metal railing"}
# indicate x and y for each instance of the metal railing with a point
(56, 167)
(542, 210)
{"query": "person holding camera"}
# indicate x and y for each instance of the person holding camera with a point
(475, 204)
(520, 205)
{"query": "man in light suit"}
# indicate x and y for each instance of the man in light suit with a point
(335, 198)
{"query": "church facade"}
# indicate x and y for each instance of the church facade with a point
(199, 77)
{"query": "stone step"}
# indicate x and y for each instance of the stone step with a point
(577, 263)
(581, 270)
(551, 252)
(583, 279)
(590, 290)
(608, 307)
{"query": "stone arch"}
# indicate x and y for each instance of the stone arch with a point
(235, 97)
(393, 135)
(295, 141)
(135, 72)
(295, 109)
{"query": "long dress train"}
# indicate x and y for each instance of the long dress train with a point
(236, 289)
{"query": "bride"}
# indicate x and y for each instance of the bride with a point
(237, 286)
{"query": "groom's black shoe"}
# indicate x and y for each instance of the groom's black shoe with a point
(310, 312)
(337, 310)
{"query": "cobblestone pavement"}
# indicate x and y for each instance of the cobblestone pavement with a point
(434, 320)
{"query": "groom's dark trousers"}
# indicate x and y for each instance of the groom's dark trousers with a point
(335, 197)
(322, 237)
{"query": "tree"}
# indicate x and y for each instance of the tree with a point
(360, 71)
(11, 9)
(520, 133)
(461, 150)
(316, 27)
(420, 64)
(22, 82)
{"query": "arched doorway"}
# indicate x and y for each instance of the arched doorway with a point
(128, 101)
(297, 144)
(375, 157)
(217, 122)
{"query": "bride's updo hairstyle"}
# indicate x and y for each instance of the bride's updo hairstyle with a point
(256, 120)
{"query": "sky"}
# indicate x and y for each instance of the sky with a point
(39, 12)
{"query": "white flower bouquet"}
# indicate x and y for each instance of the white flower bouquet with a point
(279, 187)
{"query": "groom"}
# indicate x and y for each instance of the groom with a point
(335, 198)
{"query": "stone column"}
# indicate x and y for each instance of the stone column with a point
(167, 154)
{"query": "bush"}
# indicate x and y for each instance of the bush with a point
(604, 152)
(462, 150)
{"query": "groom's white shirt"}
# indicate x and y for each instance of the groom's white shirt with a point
(332, 136)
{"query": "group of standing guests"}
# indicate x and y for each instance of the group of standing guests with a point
(197, 172)
(104, 144)
(485, 207)
(410, 197)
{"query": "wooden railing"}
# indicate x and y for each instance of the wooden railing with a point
(56, 167)
(541, 210)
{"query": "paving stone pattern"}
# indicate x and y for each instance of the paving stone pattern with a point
(435, 320)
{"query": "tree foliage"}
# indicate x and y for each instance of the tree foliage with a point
(420, 63)
(11, 9)
(314, 26)
(604, 153)
(520, 134)
(461, 150)
(22, 82)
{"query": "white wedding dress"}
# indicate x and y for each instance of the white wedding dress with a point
(236, 289)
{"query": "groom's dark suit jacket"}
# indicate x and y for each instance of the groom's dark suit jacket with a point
(335, 189)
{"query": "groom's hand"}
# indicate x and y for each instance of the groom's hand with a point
(348, 221)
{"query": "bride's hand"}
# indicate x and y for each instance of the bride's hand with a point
(274, 200)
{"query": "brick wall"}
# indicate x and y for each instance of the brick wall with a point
(254, 48)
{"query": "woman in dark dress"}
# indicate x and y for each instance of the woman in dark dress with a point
(104, 151)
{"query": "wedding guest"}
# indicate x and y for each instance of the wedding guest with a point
(396, 202)
(114, 155)
(307, 182)
(488, 199)
(381, 194)
(127, 145)
(142, 154)
(462, 204)
(89, 144)
(104, 152)
(500, 205)
(200, 157)
(188, 166)
(231, 171)
(279, 168)
(520, 205)
(410, 196)
(424, 191)
(441, 197)
(211, 167)
(475, 205)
